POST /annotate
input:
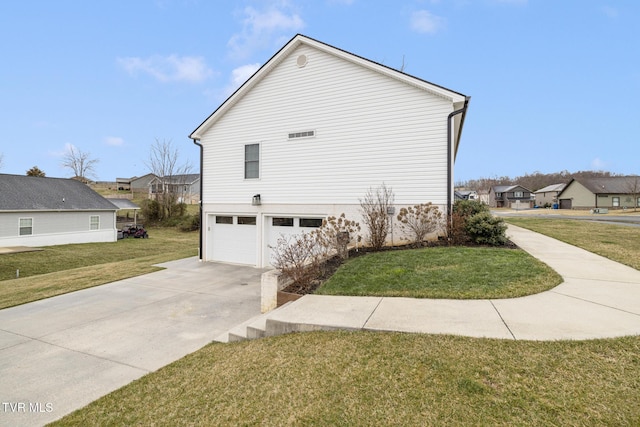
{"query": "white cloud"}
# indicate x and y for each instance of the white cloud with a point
(114, 141)
(239, 75)
(191, 69)
(260, 27)
(424, 21)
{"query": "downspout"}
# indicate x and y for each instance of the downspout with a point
(195, 141)
(450, 156)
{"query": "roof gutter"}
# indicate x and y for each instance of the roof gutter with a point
(195, 141)
(450, 159)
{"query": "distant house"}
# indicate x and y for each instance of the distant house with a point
(510, 196)
(38, 211)
(466, 195)
(138, 184)
(548, 196)
(185, 187)
(611, 192)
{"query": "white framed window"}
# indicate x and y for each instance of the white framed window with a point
(311, 222)
(26, 226)
(518, 194)
(252, 161)
(247, 220)
(615, 202)
(94, 222)
(222, 219)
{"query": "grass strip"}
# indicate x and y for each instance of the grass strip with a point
(443, 272)
(617, 242)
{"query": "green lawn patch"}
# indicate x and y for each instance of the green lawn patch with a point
(443, 272)
(66, 268)
(617, 242)
(346, 378)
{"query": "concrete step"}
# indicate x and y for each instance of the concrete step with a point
(253, 328)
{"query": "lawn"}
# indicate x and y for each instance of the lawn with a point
(60, 269)
(366, 378)
(443, 272)
(616, 242)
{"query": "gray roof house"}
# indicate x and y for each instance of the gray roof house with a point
(510, 196)
(548, 195)
(611, 192)
(186, 187)
(38, 211)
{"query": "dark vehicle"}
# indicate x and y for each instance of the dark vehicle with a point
(136, 231)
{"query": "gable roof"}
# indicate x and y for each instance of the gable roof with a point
(31, 193)
(299, 39)
(178, 179)
(610, 185)
(507, 188)
(552, 187)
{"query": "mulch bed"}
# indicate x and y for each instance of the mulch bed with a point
(330, 266)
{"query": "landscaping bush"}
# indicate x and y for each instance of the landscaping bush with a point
(297, 257)
(485, 229)
(375, 211)
(336, 234)
(420, 220)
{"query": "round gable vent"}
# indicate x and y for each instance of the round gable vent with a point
(302, 61)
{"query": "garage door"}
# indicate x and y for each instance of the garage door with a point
(276, 227)
(565, 203)
(232, 238)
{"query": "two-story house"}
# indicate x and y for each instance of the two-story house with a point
(510, 196)
(308, 135)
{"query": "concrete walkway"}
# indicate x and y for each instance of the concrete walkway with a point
(599, 298)
(61, 353)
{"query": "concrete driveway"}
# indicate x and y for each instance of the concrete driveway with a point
(61, 353)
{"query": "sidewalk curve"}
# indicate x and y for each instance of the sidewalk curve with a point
(599, 298)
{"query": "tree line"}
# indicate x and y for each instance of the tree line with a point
(534, 181)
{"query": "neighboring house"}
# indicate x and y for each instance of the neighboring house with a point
(510, 196)
(37, 211)
(140, 184)
(308, 135)
(185, 187)
(466, 195)
(611, 192)
(548, 196)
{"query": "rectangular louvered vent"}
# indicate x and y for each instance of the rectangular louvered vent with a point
(306, 134)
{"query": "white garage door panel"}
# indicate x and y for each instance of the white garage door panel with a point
(233, 242)
(274, 232)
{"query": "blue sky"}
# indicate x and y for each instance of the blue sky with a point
(553, 84)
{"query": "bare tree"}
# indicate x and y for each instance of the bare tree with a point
(36, 171)
(633, 187)
(80, 162)
(164, 163)
(375, 209)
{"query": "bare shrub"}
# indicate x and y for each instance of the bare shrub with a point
(297, 256)
(336, 234)
(374, 207)
(420, 220)
(456, 232)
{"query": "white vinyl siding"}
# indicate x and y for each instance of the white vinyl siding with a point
(374, 129)
(56, 228)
